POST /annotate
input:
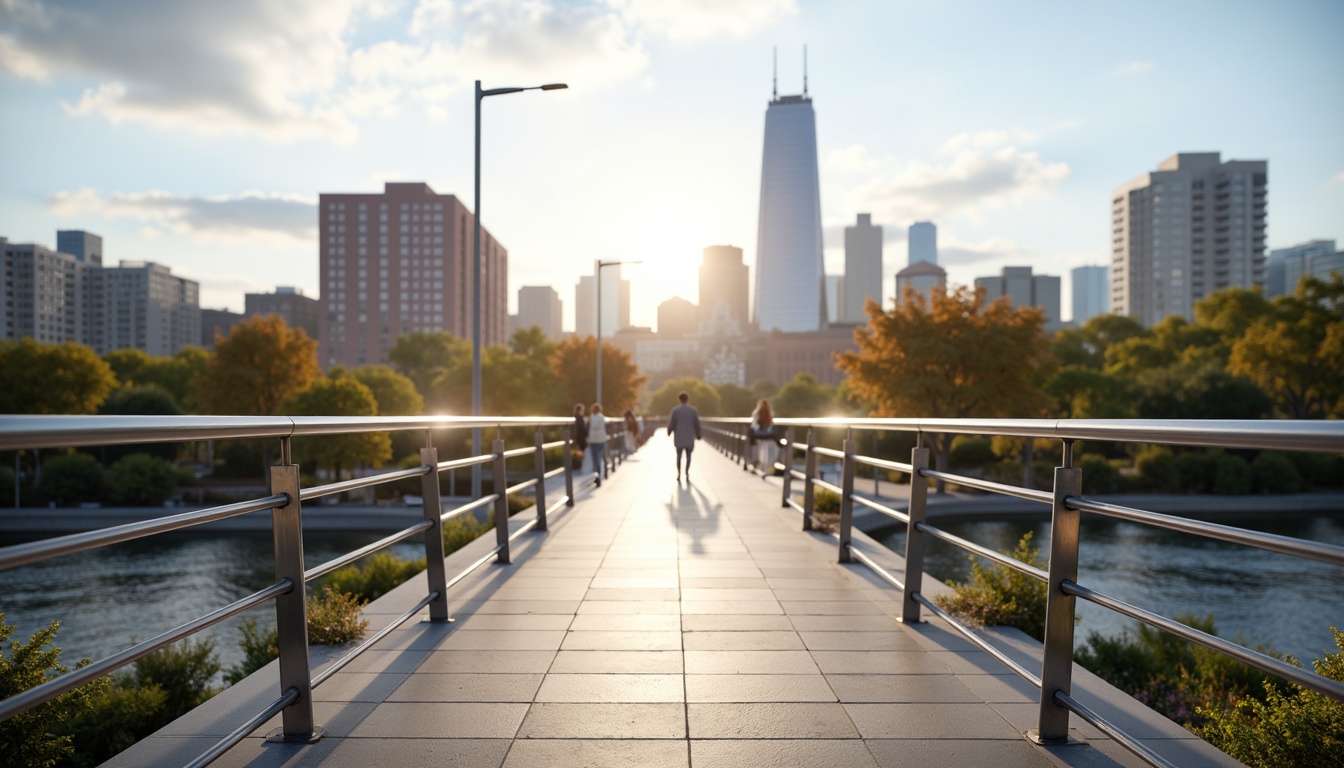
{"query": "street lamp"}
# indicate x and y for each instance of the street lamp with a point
(476, 279)
(600, 265)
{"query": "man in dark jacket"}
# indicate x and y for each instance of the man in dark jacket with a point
(683, 424)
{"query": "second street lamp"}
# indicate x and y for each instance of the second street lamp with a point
(476, 280)
(600, 265)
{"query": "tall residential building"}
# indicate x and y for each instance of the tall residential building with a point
(217, 322)
(143, 306)
(541, 306)
(84, 246)
(863, 268)
(789, 277)
(677, 318)
(1286, 266)
(400, 262)
(1025, 290)
(1194, 226)
(42, 296)
(922, 241)
(723, 291)
(297, 310)
(1090, 294)
(921, 277)
(615, 303)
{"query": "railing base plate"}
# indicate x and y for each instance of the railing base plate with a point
(278, 736)
(1034, 736)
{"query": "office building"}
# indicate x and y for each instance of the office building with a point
(400, 262)
(84, 246)
(863, 268)
(835, 298)
(1285, 267)
(724, 291)
(813, 353)
(922, 241)
(541, 306)
(1025, 290)
(218, 323)
(1090, 294)
(922, 278)
(615, 301)
(677, 318)
(789, 277)
(297, 310)
(1194, 226)
(41, 297)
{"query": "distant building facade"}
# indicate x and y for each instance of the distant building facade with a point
(1285, 267)
(1091, 294)
(540, 305)
(724, 287)
(400, 262)
(789, 354)
(835, 298)
(297, 310)
(615, 301)
(143, 306)
(678, 318)
(922, 242)
(922, 277)
(1025, 290)
(1194, 226)
(218, 322)
(863, 268)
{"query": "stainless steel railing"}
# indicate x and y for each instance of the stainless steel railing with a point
(1066, 505)
(285, 500)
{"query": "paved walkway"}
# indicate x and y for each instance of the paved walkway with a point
(666, 624)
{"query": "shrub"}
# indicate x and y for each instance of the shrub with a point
(1157, 467)
(1232, 476)
(518, 502)
(377, 576)
(71, 478)
(462, 530)
(970, 451)
(1195, 471)
(335, 618)
(182, 670)
(1291, 727)
(1099, 475)
(1001, 596)
(141, 479)
(36, 737)
(260, 647)
(120, 716)
(1319, 469)
(6, 484)
(1274, 473)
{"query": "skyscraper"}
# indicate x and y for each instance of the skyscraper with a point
(1286, 266)
(1090, 297)
(615, 303)
(1024, 289)
(1194, 226)
(297, 310)
(541, 306)
(400, 262)
(723, 290)
(923, 242)
(789, 278)
(863, 268)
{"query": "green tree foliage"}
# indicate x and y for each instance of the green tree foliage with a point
(1275, 473)
(1232, 311)
(1099, 475)
(374, 577)
(258, 368)
(1084, 392)
(339, 397)
(140, 400)
(1291, 728)
(394, 393)
(52, 378)
(183, 671)
(460, 531)
(117, 718)
(704, 397)
(260, 647)
(805, 397)
(71, 478)
(575, 364)
(1086, 346)
(424, 357)
(1000, 596)
(36, 737)
(176, 375)
(335, 618)
(1296, 351)
(142, 480)
(735, 400)
(1201, 390)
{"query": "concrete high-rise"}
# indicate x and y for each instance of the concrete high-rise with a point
(922, 242)
(615, 303)
(677, 318)
(1286, 266)
(863, 268)
(297, 310)
(723, 291)
(1194, 226)
(789, 277)
(1024, 289)
(1090, 297)
(41, 294)
(400, 262)
(541, 306)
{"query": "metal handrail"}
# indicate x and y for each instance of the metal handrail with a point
(318, 571)
(1029, 494)
(985, 552)
(331, 489)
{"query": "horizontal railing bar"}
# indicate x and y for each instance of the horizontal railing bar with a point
(468, 507)
(319, 571)
(796, 506)
(557, 505)
(528, 483)
(1044, 497)
(516, 452)
(554, 473)
(34, 551)
(340, 663)
(555, 444)
(823, 484)
(884, 464)
(888, 511)
(1268, 664)
(984, 645)
(529, 525)
(879, 570)
(243, 731)
(75, 678)
(467, 571)
(831, 452)
(470, 461)
(1117, 735)
(988, 554)
(798, 474)
(1327, 553)
(318, 491)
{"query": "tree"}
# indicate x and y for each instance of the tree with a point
(951, 356)
(735, 400)
(804, 396)
(575, 365)
(71, 478)
(339, 397)
(394, 393)
(1082, 392)
(704, 397)
(424, 357)
(142, 480)
(176, 375)
(52, 378)
(1086, 346)
(1198, 391)
(257, 368)
(1296, 354)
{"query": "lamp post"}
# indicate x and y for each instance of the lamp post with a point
(476, 278)
(600, 265)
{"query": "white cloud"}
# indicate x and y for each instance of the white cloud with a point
(1135, 68)
(258, 216)
(699, 19)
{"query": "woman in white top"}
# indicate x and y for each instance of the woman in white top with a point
(763, 428)
(597, 441)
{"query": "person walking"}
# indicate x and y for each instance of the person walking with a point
(580, 430)
(597, 441)
(631, 431)
(683, 423)
(763, 429)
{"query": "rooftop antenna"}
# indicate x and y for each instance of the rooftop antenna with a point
(774, 83)
(804, 71)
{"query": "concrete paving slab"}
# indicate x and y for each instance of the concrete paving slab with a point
(749, 662)
(818, 753)
(758, 688)
(622, 640)
(769, 720)
(442, 720)
(505, 687)
(590, 753)
(639, 622)
(930, 721)
(901, 688)
(611, 688)
(618, 662)
(506, 662)
(569, 720)
(727, 622)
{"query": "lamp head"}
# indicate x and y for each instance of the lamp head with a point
(554, 87)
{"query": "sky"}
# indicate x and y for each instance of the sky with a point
(199, 134)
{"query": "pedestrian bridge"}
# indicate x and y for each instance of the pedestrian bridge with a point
(665, 623)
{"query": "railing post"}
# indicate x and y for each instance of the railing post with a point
(541, 482)
(1057, 667)
(433, 509)
(569, 469)
(291, 609)
(914, 538)
(501, 504)
(847, 499)
(809, 471)
(788, 465)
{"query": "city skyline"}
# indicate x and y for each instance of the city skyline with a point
(196, 156)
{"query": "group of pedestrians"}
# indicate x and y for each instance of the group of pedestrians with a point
(591, 435)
